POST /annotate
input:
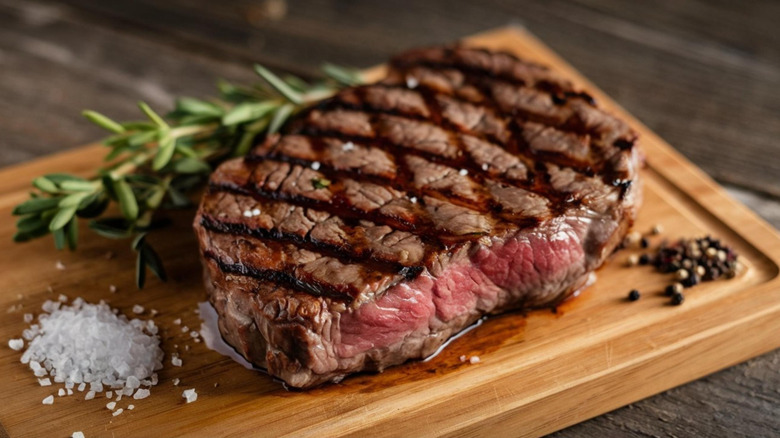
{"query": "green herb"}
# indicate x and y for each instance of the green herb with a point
(154, 163)
(320, 183)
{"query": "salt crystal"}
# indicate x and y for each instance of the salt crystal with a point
(88, 346)
(112, 289)
(16, 344)
(247, 213)
(28, 317)
(462, 358)
(154, 379)
(133, 382)
(130, 407)
(412, 82)
(197, 341)
(117, 412)
(315, 165)
(463, 172)
(118, 396)
(176, 382)
(141, 394)
(176, 361)
(109, 394)
(187, 347)
(348, 146)
(194, 334)
(413, 199)
(127, 391)
(474, 359)
(177, 321)
(190, 395)
(256, 212)
(62, 298)
(185, 329)
(110, 405)
(138, 309)
(154, 313)
(485, 166)
(48, 400)
(59, 265)
(78, 434)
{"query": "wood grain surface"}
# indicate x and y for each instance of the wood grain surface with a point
(536, 374)
(702, 75)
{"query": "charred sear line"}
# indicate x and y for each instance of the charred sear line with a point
(278, 277)
(571, 126)
(346, 255)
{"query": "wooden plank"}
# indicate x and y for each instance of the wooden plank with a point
(536, 374)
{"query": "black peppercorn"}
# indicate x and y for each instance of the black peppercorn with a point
(644, 243)
(644, 259)
(670, 290)
(678, 298)
(633, 295)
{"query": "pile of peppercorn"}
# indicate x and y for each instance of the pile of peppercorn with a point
(690, 260)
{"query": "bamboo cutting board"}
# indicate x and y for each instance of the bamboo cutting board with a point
(536, 374)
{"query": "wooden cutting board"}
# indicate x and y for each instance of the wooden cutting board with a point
(536, 374)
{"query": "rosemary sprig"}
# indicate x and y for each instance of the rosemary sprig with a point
(154, 163)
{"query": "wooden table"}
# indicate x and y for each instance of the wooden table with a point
(704, 77)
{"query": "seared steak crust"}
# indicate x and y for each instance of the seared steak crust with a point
(395, 214)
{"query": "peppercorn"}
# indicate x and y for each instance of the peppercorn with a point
(682, 274)
(644, 259)
(669, 291)
(691, 281)
(633, 295)
(644, 243)
(678, 298)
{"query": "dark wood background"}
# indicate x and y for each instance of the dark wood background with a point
(703, 75)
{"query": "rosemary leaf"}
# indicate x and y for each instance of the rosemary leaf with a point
(72, 233)
(59, 238)
(341, 75)
(153, 261)
(77, 186)
(36, 205)
(279, 85)
(245, 112)
(140, 270)
(153, 116)
(63, 216)
(280, 117)
(192, 106)
(127, 202)
(165, 152)
(189, 165)
(103, 121)
(45, 185)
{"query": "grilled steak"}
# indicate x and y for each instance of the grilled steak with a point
(393, 215)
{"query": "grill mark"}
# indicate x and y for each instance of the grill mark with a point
(435, 239)
(279, 277)
(356, 252)
(489, 206)
(402, 64)
(453, 129)
(486, 204)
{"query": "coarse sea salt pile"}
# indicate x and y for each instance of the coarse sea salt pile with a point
(89, 344)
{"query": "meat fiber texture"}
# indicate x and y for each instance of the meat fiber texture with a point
(390, 217)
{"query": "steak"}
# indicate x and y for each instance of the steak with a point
(393, 215)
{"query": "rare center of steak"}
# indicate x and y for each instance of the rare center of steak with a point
(388, 218)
